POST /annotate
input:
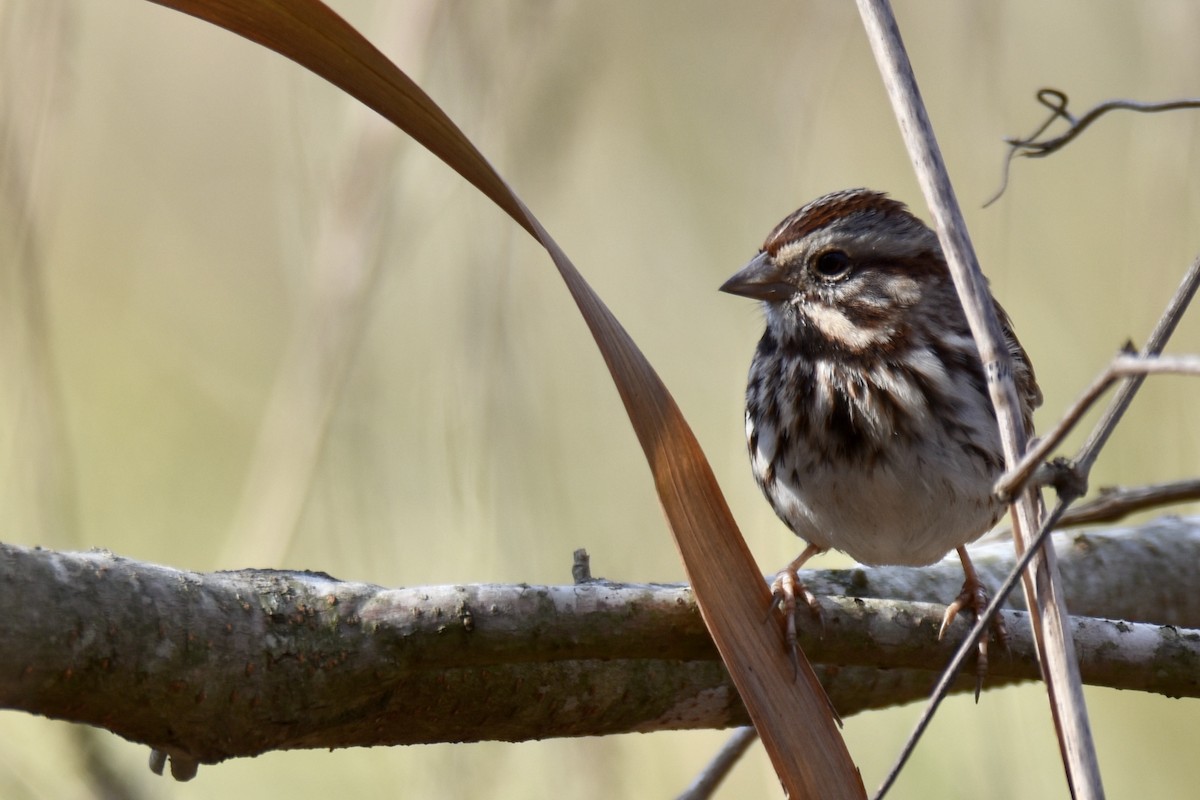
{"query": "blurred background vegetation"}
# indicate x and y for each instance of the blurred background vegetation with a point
(190, 378)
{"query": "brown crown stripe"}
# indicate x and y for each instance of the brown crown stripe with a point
(824, 210)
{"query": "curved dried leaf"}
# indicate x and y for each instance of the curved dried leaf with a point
(791, 712)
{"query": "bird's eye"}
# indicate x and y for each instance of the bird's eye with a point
(831, 264)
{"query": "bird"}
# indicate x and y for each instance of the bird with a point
(868, 420)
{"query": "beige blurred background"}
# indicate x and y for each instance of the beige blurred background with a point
(196, 374)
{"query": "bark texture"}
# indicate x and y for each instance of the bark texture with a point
(205, 667)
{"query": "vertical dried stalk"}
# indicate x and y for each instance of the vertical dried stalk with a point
(1042, 586)
(38, 494)
(325, 334)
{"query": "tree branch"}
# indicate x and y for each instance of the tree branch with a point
(206, 667)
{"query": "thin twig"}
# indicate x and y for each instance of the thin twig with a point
(1158, 339)
(1162, 332)
(965, 650)
(1134, 367)
(710, 778)
(1113, 504)
(1043, 587)
(1118, 502)
(1056, 101)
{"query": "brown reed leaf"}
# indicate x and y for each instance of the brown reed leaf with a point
(790, 710)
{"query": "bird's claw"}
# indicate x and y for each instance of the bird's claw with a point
(974, 598)
(784, 590)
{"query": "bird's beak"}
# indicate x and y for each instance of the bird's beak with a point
(761, 279)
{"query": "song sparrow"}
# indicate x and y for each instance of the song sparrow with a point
(867, 413)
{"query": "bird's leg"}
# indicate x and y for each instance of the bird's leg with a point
(974, 598)
(784, 590)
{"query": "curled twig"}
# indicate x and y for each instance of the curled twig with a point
(1056, 101)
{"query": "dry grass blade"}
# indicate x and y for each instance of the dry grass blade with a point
(791, 714)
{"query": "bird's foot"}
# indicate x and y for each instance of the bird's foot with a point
(974, 598)
(786, 587)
